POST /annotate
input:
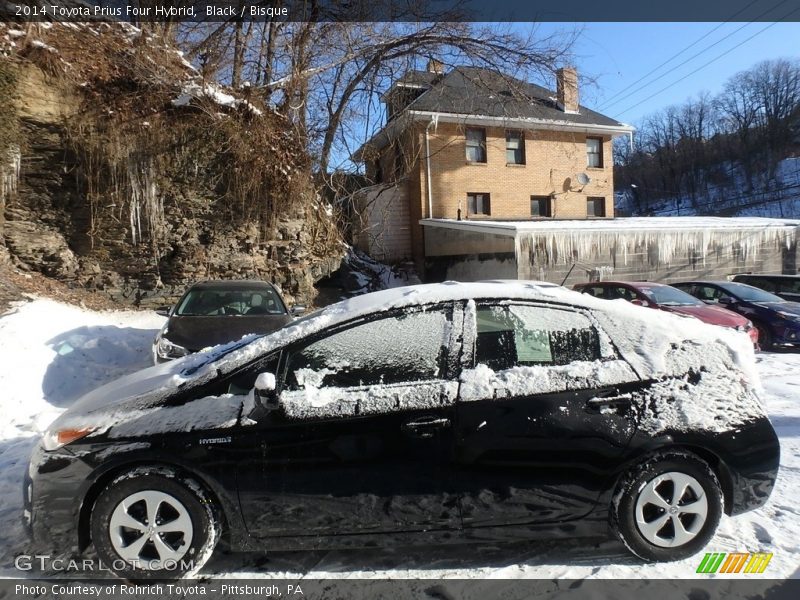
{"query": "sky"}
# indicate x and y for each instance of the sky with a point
(617, 55)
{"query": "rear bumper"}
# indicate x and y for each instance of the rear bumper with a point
(752, 466)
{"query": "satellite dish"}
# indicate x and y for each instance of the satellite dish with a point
(583, 178)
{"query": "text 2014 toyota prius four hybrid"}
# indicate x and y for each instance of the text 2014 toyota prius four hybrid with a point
(429, 414)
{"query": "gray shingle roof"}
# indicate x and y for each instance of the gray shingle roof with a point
(479, 92)
(483, 92)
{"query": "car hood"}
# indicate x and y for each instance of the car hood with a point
(710, 314)
(792, 308)
(196, 333)
(150, 401)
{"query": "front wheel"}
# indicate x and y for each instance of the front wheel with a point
(153, 523)
(668, 507)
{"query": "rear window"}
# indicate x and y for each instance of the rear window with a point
(210, 302)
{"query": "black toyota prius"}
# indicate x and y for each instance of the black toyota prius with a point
(430, 414)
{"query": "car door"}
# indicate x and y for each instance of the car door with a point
(543, 417)
(362, 439)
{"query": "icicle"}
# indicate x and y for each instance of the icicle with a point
(660, 246)
(9, 173)
(144, 197)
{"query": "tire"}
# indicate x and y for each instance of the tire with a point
(178, 546)
(765, 341)
(651, 522)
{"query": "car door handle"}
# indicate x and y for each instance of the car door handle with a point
(609, 398)
(425, 427)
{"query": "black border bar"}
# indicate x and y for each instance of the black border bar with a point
(576, 11)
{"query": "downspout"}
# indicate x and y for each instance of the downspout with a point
(434, 122)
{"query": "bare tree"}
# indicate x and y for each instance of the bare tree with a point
(327, 72)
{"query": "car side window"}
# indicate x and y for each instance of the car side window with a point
(623, 292)
(509, 336)
(596, 291)
(400, 348)
(707, 293)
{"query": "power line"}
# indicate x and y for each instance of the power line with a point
(713, 60)
(674, 56)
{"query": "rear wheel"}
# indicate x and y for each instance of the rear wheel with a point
(668, 507)
(154, 524)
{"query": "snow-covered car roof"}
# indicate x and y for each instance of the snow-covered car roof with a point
(655, 343)
(643, 336)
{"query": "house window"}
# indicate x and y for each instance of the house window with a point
(476, 145)
(478, 204)
(594, 153)
(540, 206)
(595, 206)
(515, 148)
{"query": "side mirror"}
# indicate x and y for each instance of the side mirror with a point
(727, 300)
(265, 390)
(163, 310)
(638, 302)
(298, 309)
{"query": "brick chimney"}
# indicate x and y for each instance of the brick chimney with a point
(567, 89)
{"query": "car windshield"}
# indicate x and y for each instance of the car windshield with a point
(221, 302)
(749, 293)
(669, 296)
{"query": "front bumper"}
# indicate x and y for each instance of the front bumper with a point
(787, 333)
(52, 493)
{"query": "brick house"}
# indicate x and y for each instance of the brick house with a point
(475, 145)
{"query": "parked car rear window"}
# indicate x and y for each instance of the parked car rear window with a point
(262, 301)
(669, 296)
(751, 294)
(511, 336)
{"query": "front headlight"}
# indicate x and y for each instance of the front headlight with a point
(168, 350)
(55, 439)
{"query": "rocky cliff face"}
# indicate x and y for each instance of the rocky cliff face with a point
(138, 180)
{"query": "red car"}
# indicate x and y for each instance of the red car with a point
(670, 299)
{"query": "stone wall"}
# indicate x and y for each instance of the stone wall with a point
(50, 227)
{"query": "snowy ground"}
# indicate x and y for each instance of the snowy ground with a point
(51, 353)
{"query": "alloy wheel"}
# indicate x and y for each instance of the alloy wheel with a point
(150, 529)
(671, 509)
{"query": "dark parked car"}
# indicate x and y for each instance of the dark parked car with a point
(216, 312)
(669, 299)
(785, 286)
(777, 320)
(429, 414)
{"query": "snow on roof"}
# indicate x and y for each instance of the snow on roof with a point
(616, 224)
